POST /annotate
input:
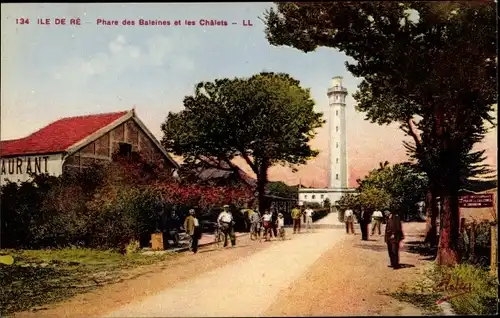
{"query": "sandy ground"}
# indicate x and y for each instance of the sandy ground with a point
(244, 288)
(351, 279)
(148, 280)
(325, 273)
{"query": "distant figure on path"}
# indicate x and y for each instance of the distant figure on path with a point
(309, 218)
(377, 218)
(193, 229)
(226, 224)
(281, 225)
(296, 214)
(364, 221)
(267, 220)
(274, 222)
(349, 221)
(393, 237)
(254, 218)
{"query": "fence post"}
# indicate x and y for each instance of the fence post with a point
(494, 252)
(472, 242)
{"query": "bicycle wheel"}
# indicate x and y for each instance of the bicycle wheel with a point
(219, 239)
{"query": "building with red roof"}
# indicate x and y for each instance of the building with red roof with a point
(76, 142)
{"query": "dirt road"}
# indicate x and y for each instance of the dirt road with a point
(352, 279)
(322, 273)
(243, 288)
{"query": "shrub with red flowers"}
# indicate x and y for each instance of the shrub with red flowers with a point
(103, 206)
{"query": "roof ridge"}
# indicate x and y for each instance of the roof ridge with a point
(74, 117)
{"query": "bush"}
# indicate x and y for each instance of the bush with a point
(312, 205)
(479, 287)
(482, 246)
(319, 214)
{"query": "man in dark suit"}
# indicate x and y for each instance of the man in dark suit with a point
(393, 237)
(364, 221)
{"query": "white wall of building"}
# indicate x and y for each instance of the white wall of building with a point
(319, 195)
(17, 168)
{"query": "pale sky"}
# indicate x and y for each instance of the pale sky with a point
(54, 71)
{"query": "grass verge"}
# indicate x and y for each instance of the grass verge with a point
(469, 289)
(41, 277)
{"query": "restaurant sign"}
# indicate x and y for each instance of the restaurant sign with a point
(476, 200)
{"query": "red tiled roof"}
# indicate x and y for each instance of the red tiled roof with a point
(59, 135)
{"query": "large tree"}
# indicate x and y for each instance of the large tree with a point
(266, 119)
(432, 59)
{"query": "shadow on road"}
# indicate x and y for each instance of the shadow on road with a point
(418, 247)
(402, 266)
(376, 248)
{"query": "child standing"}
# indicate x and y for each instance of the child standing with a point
(281, 225)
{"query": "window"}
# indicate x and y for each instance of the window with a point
(337, 145)
(322, 196)
(337, 176)
(337, 128)
(337, 160)
(125, 149)
(337, 112)
(305, 196)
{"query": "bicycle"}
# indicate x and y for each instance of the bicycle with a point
(219, 237)
(255, 231)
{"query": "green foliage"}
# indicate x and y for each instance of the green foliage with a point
(482, 247)
(479, 287)
(41, 277)
(470, 290)
(397, 188)
(437, 60)
(281, 189)
(266, 119)
(133, 247)
(312, 205)
(349, 201)
(103, 211)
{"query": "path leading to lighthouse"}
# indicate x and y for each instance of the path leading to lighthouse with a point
(323, 273)
(243, 288)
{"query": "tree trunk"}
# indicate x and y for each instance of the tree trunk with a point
(261, 185)
(431, 213)
(449, 226)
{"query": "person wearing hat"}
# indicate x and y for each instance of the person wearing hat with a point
(377, 218)
(226, 224)
(193, 229)
(254, 218)
(296, 214)
(281, 225)
(393, 237)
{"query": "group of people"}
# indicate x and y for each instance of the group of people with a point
(298, 215)
(225, 222)
(393, 230)
(273, 224)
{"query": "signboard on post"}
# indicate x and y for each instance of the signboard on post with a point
(476, 200)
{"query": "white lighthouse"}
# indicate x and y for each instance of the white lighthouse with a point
(338, 168)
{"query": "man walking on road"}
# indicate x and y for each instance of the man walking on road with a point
(193, 229)
(393, 237)
(309, 220)
(254, 218)
(364, 221)
(349, 221)
(296, 214)
(226, 224)
(377, 218)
